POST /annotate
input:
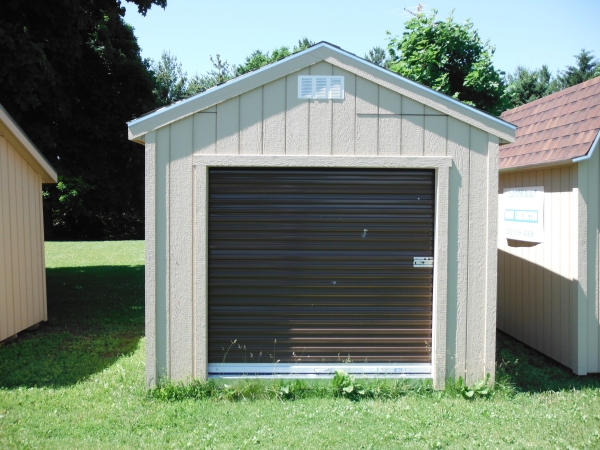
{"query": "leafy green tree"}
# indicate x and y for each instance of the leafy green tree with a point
(586, 67)
(378, 56)
(171, 81)
(526, 85)
(71, 76)
(258, 58)
(223, 71)
(450, 58)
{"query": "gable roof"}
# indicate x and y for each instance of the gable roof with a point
(23, 145)
(323, 51)
(554, 129)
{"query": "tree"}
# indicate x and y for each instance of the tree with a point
(378, 56)
(222, 71)
(259, 58)
(526, 85)
(450, 58)
(171, 81)
(72, 75)
(587, 67)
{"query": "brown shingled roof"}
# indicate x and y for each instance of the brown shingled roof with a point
(559, 127)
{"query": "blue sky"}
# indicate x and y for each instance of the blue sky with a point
(524, 32)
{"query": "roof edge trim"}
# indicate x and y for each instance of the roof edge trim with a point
(590, 153)
(558, 162)
(47, 172)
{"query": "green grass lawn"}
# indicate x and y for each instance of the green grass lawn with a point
(78, 382)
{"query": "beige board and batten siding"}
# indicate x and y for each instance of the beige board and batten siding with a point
(373, 121)
(548, 292)
(22, 269)
(537, 290)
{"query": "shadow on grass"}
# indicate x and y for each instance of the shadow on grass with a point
(530, 371)
(95, 315)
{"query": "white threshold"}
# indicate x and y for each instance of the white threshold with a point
(291, 370)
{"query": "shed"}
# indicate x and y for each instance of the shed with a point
(548, 288)
(321, 212)
(23, 169)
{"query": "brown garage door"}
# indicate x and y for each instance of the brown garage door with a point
(316, 265)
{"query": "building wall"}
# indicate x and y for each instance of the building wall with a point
(22, 267)
(538, 283)
(587, 334)
(271, 120)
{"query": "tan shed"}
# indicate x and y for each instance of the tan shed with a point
(321, 212)
(548, 279)
(23, 169)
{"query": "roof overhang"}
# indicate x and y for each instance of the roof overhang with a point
(334, 55)
(23, 145)
(562, 162)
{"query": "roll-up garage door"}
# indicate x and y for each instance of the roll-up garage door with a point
(318, 267)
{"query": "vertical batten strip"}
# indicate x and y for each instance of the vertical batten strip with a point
(582, 269)
(201, 274)
(477, 256)
(492, 258)
(42, 252)
(458, 246)
(180, 247)
(440, 287)
(161, 268)
(150, 260)
(573, 266)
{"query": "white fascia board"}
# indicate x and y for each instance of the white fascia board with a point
(595, 144)
(44, 168)
(298, 61)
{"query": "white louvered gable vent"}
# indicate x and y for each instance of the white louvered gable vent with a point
(321, 87)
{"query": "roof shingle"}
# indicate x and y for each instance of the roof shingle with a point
(558, 127)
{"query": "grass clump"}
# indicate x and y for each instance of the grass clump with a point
(342, 385)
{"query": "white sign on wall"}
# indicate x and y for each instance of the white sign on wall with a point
(522, 213)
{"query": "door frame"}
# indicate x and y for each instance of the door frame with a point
(441, 165)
